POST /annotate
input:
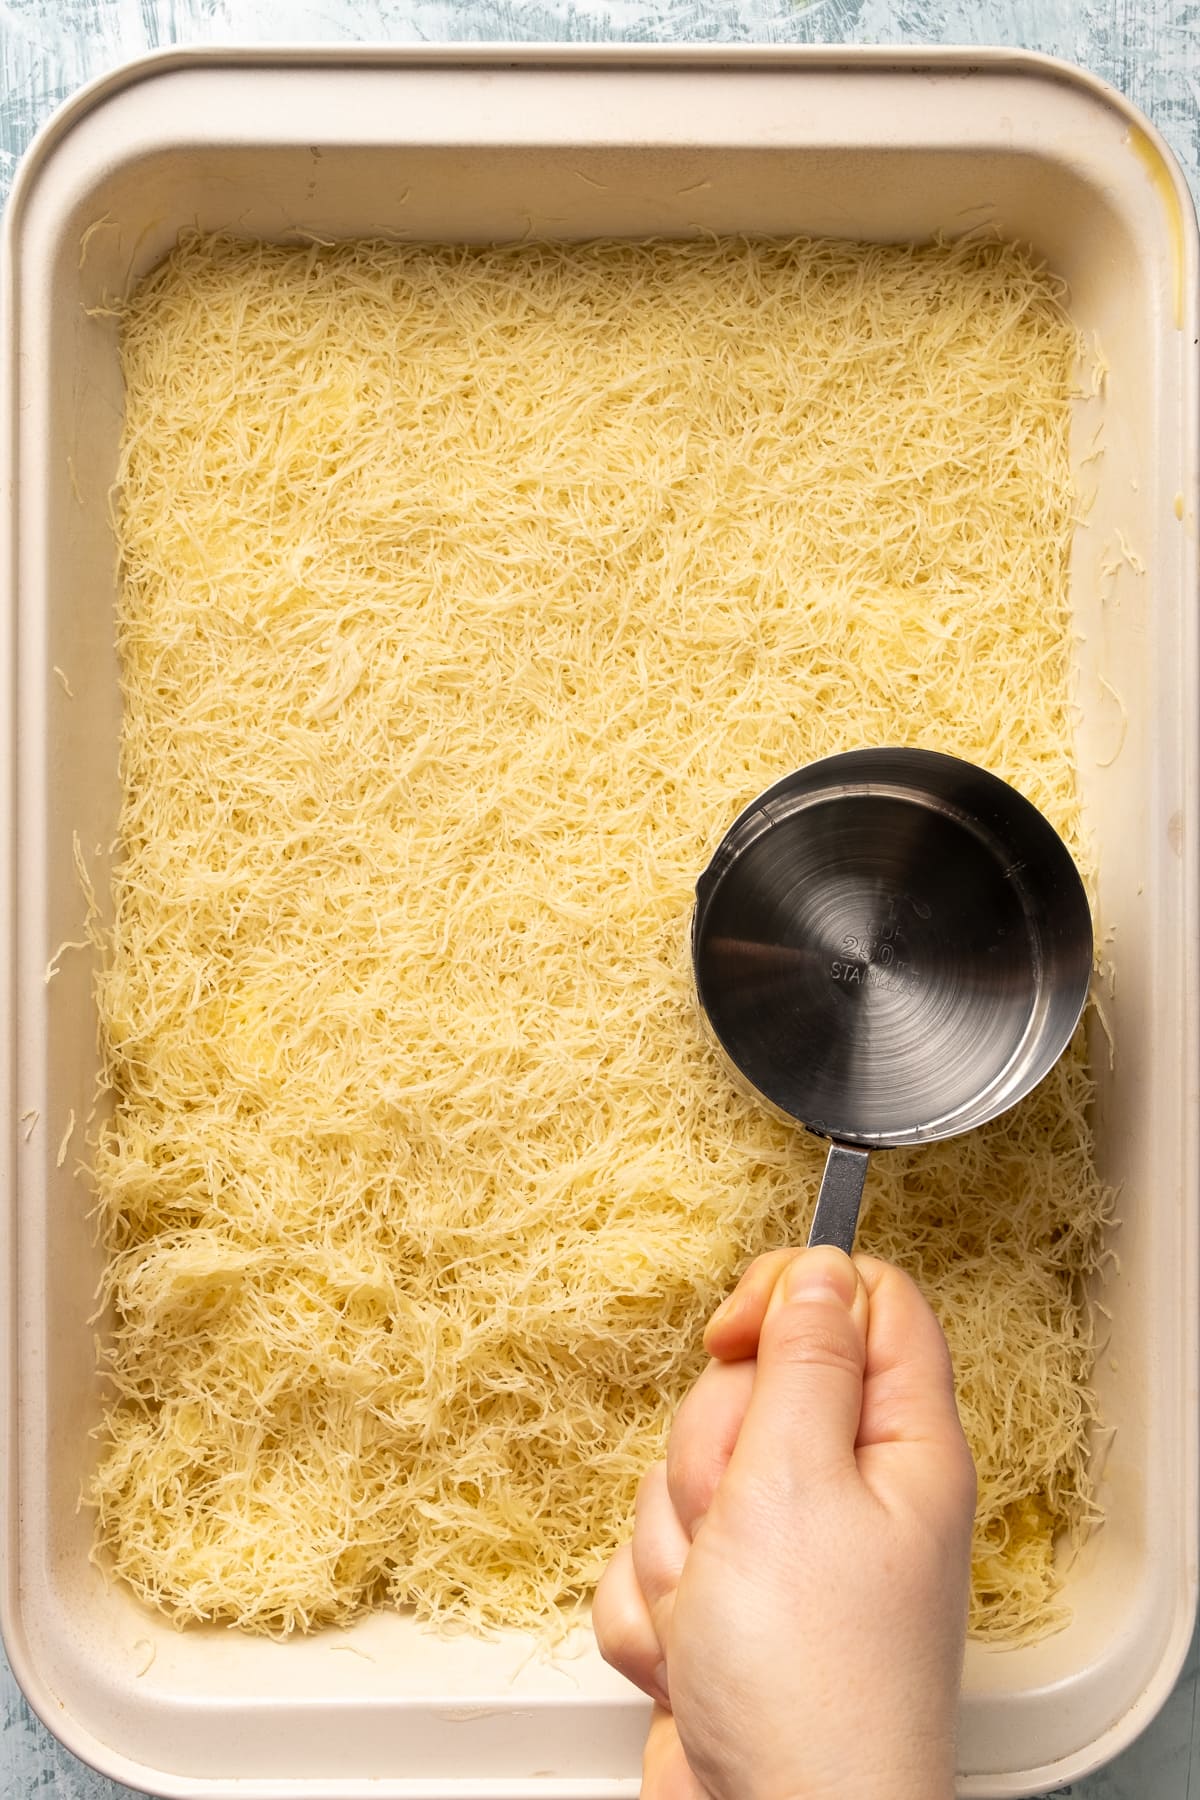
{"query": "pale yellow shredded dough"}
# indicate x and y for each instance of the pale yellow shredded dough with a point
(467, 595)
(65, 1140)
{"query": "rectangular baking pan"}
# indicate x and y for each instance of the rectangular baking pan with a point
(489, 144)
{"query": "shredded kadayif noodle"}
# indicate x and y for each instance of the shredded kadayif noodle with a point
(467, 595)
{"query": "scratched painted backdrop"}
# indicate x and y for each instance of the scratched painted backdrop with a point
(1148, 48)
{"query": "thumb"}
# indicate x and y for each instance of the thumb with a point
(802, 1420)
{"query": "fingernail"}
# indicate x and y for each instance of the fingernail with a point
(821, 1274)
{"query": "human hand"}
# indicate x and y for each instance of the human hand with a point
(795, 1594)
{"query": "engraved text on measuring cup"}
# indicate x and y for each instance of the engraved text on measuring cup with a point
(875, 957)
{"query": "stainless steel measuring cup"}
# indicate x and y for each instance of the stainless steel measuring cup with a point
(891, 946)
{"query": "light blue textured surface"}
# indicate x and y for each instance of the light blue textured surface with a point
(1148, 48)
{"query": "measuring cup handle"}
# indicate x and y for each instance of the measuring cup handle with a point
(840, 1197)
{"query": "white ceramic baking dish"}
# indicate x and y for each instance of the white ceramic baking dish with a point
(493, 144)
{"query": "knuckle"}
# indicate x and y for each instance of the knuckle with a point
(657, 1570)
(620, 1622)
(948, 1512)
(607, 1599)
(650, 1487)
(660, 1609)
(967, 1489)
(617, 1638)
(811, 1340)
(692, 1475)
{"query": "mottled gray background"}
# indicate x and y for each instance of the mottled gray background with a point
(1148, 48)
